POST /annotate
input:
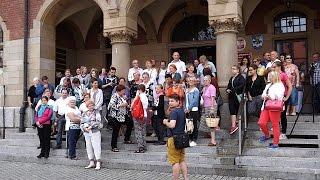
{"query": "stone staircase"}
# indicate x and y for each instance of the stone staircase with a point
(256, 160)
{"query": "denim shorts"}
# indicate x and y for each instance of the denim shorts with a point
(293, 101)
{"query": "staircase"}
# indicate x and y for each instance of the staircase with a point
(255, 161)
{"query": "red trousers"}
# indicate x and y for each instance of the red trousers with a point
(274, 117)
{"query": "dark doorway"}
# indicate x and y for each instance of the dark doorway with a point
(192, 53)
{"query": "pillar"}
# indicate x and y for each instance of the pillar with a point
(226, 47)
(120, 41)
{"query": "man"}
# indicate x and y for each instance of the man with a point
(65, 85)
(135, 68)
(266, 59)
(273, 58)
(60, 107)
(111, 81)
(315, 70)
(44, 85)
(204, 63)
(180, 65)
(196, 64)
(67, 75)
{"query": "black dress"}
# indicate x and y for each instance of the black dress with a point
(236, 85)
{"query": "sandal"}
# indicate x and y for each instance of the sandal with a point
(140, 150)
(115, 150)
(211, 144)
(128, 142)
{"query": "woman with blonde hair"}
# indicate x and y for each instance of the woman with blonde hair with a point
(273, 91)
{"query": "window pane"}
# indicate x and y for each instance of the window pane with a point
(303, 21)
(296, 28)
(284, 29)
(303, 28)
(290, 29)
(283, 22)
(296, 21)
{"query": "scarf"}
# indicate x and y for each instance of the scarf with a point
(41, 110)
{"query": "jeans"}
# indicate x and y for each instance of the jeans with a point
(293, 100)
(44, 136)
(73, 135)
(116, 125)
(274, 117)
(196, 118)
(157, 125)
(93, 144)
(60, 128)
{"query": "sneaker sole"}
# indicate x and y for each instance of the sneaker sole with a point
(235, 130)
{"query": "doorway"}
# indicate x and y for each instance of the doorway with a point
(188, 55)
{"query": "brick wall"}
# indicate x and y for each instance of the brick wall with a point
(12, 12)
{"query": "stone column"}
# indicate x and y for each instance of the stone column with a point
(120, 41)
(226, 47)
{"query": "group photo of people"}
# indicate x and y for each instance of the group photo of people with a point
(159, 99)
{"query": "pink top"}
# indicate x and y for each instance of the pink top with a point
(284, 77)
(291, 72)
(208, 93)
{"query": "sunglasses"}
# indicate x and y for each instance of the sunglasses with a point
(288, 57)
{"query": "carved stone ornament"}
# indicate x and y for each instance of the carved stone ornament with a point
(121, 36)
(113, 8)
(227, 25)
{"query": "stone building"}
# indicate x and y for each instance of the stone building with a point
(99, 33)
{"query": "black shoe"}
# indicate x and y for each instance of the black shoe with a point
(40, 156)
(57, 147)
(39, 147)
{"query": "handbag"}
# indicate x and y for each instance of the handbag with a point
(274, 105)
(212, 122)
(189, 126)
(181, 141)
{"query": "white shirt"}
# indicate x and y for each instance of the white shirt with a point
(152, 74)
(76, 112)
(83, 107)
(97, 98)
(181, 67)
(269, 65)
(145, 103)
(276, 91)
(162, 76)
(61, 105)
(132, 71)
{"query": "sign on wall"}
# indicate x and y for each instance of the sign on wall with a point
(241, 44)
(257, 41)
(241, 55)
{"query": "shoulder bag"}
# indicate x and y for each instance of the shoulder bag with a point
(273, 105)
(181, 141)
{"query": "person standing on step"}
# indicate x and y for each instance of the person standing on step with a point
(134, 70)
(140, 125)
(315, 70)
(91, 125)
(118, 112)
(176, 125)
(192, 107)
(178, 64)
(61, 105)
(73, 119)
(158, 114)
(96, 94)
(43, 122)
(275, 90)
(234, 91)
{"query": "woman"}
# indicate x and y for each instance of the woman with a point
(94, 75)
(85, 77)
(90, 125)
(83, 107)
(244, 65)
(255, 85)
(78, 90)
(146, 81)
(103, 75)
(118, 109)
(152, 72)
(96, 94)
(122, 81)
(294, 75)
(273, 91)
(43, 122)
(134, 85)
(158, 114)
(73, 119)
(209, 106)
(174, 73)
(162, 73)
(192, 108)
(190, 72)
(234, 91)
(140, 125)
(279, 68)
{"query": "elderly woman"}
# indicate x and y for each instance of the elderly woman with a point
(43, 122)
(273, 91)
(90, 125)
(73, 119)
(209, 106)
(118, 108)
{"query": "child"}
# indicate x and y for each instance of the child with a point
(159, 114)
(176, 125)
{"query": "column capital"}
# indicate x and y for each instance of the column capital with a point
(120, 36)
(226, 25)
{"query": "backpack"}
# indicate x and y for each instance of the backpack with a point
(137, 110)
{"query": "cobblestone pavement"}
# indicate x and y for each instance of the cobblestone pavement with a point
(26, 171)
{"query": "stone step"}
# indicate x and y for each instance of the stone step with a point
(278, 162)
(193, 168)
(282, 152)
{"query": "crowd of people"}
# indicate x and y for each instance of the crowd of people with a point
(169, 94)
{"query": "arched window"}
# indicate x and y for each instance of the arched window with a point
(290, 22)
(193, 28)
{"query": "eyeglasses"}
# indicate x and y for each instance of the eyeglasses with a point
(288, 57)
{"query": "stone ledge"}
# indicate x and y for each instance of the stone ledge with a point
(12, 117)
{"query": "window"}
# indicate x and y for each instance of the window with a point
(290, 22)
(193, 28)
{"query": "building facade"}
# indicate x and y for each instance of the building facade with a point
(99, 33)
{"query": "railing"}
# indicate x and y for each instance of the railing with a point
(243, 123)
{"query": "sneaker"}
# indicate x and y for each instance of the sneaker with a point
(263, 139)
(283, 136)
(153, 135)
(234, 129)
(293, 114)
(273, 146)
(192, 144)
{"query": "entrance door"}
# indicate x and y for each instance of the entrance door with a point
(297, 49)
(188, 55)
